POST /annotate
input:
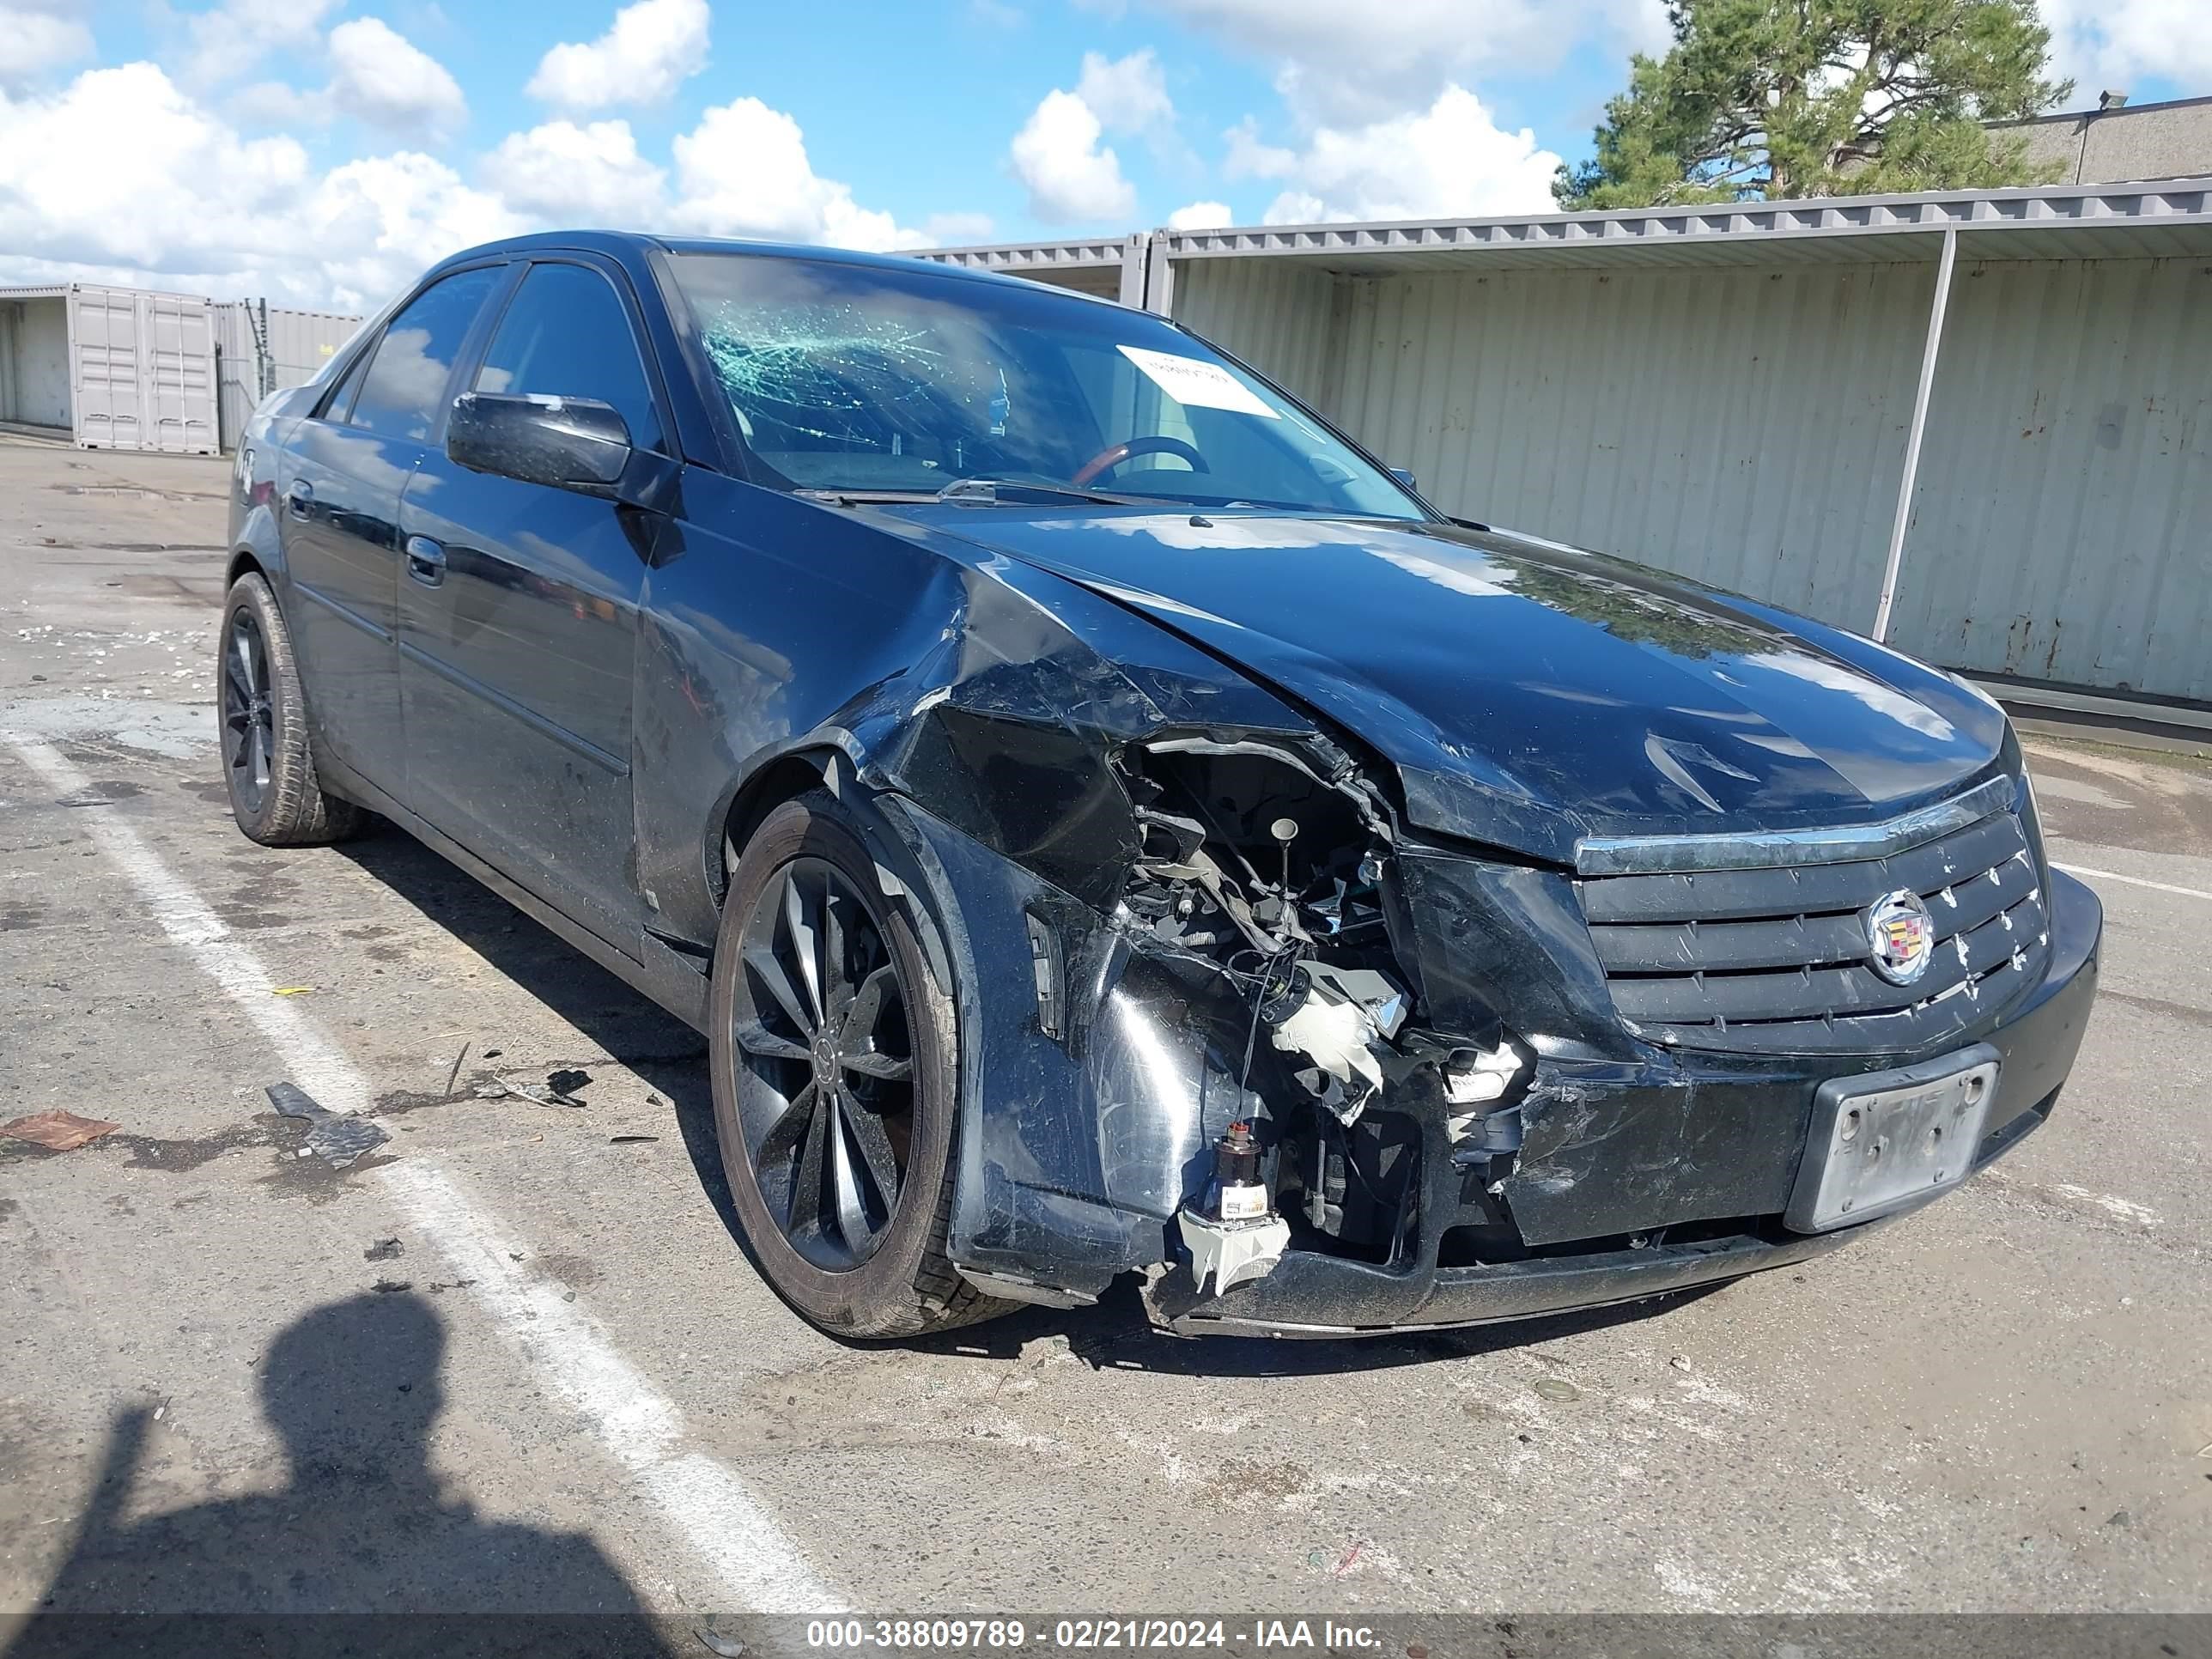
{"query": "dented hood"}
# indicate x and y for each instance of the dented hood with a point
(1529, 694)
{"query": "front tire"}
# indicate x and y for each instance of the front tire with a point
(834, 1053)
(267, 764)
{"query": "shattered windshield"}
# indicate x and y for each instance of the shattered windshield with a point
(853, 378)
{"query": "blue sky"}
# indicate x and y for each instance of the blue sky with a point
(321, 150)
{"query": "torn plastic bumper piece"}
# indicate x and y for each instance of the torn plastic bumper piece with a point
(1308, 1295)
(1234, 1236)
(1012, 1288)
(1230, 1253)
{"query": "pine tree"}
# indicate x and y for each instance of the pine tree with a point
(1779, 99)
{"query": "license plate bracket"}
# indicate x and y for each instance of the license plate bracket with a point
(1884, 1140)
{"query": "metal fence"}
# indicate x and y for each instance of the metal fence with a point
(262, 349)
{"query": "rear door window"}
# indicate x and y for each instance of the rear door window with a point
(414, 361)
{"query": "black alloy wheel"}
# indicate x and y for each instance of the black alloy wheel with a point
(249, 719)
(835, 1054)
(268, 762)
(825, 1093)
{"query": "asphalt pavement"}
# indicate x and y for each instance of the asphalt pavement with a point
(512, 1358)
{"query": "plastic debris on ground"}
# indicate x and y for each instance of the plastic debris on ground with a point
(57, 1132)
(558, 1089)
(336, 1139)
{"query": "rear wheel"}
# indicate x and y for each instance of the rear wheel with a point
(267, 764)
(834, 1053)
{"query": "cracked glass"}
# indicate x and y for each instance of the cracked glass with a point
(867, 378)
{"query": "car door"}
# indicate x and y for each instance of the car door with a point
(340, 480)
(518, 619)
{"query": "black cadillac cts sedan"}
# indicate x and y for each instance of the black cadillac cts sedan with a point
(1107, 824)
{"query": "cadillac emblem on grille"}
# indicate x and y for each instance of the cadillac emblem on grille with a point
(1900, 937)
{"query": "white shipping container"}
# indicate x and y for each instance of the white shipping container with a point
(113, 367)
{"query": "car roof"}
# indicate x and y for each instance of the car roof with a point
(617, 243)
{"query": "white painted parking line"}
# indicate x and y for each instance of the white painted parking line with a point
(2132, 881)
(316, 1064)
(757, 1566)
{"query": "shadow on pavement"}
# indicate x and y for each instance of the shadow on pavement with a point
(361, 1541)
(667, 1055)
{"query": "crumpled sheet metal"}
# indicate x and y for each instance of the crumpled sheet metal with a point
(335, 1137)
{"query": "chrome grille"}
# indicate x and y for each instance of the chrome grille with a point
(1778, 960)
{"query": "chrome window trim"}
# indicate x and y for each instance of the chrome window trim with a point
(1638, 855)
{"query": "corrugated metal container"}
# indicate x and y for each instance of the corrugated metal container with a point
(1111, 268)
(138, 366)
(2062, 527)
(1742, 427)
(1728, 393)
(297, 345)
(1277, 316)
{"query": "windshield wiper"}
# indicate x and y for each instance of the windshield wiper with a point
(854, 497)
(984, 492)
(972, 492)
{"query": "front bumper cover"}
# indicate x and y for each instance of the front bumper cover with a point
(1318, 1296)
(1077, 1146)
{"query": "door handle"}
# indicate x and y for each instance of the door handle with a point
(300, 496)
(426, 561)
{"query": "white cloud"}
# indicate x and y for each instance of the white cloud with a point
(374, 224)
(1300, 207)
(592, 172)
(1448, 161)
(1128, 94)
(643, 57)
(274, 104)
(1202, 215)
(956, 230)
(122, 169)
(744, 170)
(1069, 176)
(227, 40)
(2117, 43)
(1251, 157)
(1351, 64)
(121, 176)
(37, 35)
(380, 76)
(377, 76)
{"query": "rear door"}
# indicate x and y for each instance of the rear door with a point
(339, 483)
(518, 617)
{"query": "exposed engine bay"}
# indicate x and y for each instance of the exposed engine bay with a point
(1273, 870)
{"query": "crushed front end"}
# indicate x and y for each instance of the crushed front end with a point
(1307, 1072)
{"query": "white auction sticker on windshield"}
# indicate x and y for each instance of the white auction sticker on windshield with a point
(1197, 384)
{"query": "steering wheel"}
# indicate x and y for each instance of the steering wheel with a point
(1114, 455)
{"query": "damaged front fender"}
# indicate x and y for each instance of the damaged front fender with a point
(1166, 901)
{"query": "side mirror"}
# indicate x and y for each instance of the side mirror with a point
(1406, 478)
(569, 443)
